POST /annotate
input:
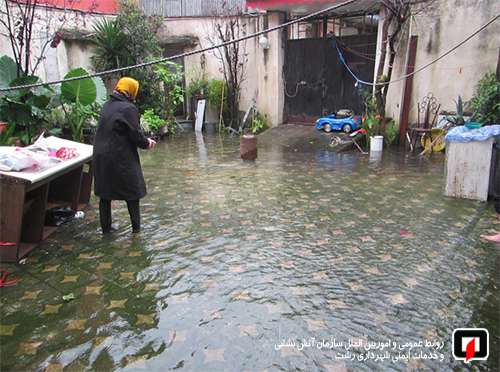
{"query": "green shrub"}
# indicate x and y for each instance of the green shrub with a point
(485, 103)
(259, 123)
(215, 98)
(28, 112)
(391, 131)
(215, 88)
(111, 50)
(170, 74)
(140, 45)
(151, 122)
(371, 120)
(198, 86)
(22, 109)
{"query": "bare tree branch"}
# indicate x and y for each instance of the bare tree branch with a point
(226, 26)
(23, 22)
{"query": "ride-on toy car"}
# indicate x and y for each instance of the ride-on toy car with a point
(343, 120)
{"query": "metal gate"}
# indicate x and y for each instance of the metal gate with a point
(316, 81)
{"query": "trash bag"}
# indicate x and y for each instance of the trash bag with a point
(58, 215)
(463, 134)
(17, 161)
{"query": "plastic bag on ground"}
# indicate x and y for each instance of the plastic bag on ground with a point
(58, 215)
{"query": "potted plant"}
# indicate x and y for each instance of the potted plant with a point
(457, 117)
(154, 125)
(196, 90)
(372, 123)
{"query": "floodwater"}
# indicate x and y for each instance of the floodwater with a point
(304, 260)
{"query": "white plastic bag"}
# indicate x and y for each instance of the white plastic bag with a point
(17, 161)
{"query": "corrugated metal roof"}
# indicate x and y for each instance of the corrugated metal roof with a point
(310, 6)
(192, 8)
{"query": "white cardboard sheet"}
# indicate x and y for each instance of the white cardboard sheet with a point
(84, 153)
(200, 115)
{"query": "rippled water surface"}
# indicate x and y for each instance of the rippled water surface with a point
(236, 257)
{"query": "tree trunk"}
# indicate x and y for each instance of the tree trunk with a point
(380, 101)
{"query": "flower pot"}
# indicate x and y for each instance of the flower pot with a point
(376, 143)
(3, 126)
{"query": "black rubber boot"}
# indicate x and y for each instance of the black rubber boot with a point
(105, 215)
(135, 215)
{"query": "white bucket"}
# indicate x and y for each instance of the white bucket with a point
(375, 157)
(376, 143)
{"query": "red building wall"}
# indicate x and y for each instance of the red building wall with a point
(97, 6)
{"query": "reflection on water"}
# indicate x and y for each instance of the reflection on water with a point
(235, 257)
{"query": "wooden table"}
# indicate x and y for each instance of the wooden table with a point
(26, 196)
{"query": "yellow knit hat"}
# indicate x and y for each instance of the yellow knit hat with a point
(128, 86)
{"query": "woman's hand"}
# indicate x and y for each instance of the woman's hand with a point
(152, 143)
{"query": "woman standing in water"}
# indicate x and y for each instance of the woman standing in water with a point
(117, 168)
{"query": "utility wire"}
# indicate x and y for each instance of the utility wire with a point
(286, 24)
(186, 54)
(358, 80)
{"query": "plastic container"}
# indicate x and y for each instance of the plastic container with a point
(376, 143)
(468, 168)
(473, 125)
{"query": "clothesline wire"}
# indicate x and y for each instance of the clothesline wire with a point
(185, 54)
(403, 77)
(253, 35)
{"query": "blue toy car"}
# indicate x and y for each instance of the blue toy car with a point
(344, 120)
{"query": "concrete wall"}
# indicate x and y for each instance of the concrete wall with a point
(263, 78)
(271, 96)
(438, 30)
(263, 71)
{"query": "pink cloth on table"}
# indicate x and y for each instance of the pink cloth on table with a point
(66, 153)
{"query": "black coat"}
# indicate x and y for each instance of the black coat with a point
(117, 168)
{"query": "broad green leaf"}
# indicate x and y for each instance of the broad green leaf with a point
(40, 102)
(101, 91)
(44, 90)
(23, 80)
(16, 112)
(8, 71)
(82, 91)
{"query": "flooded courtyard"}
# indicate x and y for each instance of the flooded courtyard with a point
(247, 266)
